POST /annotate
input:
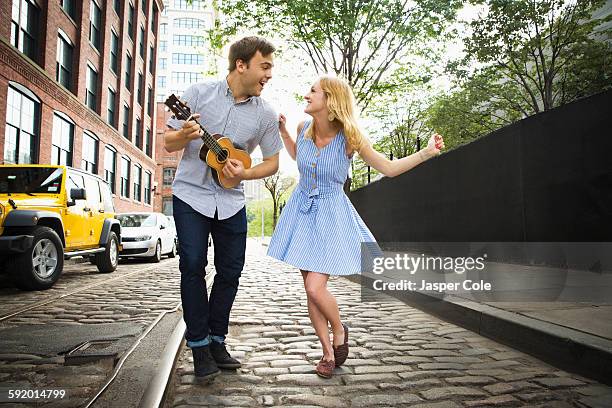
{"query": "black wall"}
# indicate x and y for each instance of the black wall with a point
(545, 178)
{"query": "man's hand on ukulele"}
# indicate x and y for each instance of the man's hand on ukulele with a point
(234, 169)
(191, 130)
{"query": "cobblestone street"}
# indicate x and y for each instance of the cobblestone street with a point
(399, 357)
(34, 343)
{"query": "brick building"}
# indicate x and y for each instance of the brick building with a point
(77, 86)
(166, 164)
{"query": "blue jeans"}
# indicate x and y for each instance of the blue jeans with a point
(204, 316)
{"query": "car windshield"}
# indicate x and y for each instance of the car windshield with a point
(30, 180)
(137, 220)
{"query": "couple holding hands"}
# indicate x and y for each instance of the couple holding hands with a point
(319, 231)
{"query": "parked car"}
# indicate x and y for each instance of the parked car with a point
(51, 213)
(171, 220)
(147, 235)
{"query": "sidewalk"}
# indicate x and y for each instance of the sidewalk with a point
(564, 318)
(400, 356)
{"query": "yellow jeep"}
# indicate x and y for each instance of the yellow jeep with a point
(51, 213)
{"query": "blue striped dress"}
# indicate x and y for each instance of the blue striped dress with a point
(319, 230)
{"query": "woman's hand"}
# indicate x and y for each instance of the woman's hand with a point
(282, 124)
(435, 145)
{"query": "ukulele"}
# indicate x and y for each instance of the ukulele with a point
(216, 150)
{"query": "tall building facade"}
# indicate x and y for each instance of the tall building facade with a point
(77, 86)
(183, 49)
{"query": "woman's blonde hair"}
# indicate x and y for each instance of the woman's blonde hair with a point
(341, 107)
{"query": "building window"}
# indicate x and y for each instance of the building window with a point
(163, 45)
(187, 77)
(163, 63)
(147, 187)
(128, 72)
(63, 68)
(117, 6)
(151, 59)
(142, 42)
(154, 19)
(138, 138)
(131, 22)
(110, 164)
(91, 94)
(24, 27)
(111, 108)
(69, 7)
(189, 5)
(125, 177)
(114, 50)
(140, 92)
(63, 139)
(189, 40)
(148, 142)
(169, 176)
(137, 182)
(126, 122)
(150, 102)
(90, 153)
(188, 59)
(167, 206)
(161, 81)
(22, 127)
(94, 24)
(163, 28)
(190, 23)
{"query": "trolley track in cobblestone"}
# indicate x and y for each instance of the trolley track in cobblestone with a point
(71, 292)
(130, 304)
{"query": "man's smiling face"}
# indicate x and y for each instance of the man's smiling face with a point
(256, 73)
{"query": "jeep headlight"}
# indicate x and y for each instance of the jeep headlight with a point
(143, 238)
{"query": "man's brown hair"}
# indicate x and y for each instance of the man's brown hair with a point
(245, 48)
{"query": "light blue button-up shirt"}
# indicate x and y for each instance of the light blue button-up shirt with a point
(248, 123)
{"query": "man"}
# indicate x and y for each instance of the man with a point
(231, 107)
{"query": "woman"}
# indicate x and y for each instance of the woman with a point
(319, 230)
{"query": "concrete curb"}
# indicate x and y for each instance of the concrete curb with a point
(568, 349)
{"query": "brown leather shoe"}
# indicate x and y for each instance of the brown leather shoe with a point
(341, 352)
(325, 368)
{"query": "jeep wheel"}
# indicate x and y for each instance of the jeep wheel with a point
(157, 256)
(107, 261)
(172, 253)
(40, 266)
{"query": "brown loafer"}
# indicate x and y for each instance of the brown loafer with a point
(341, 352)
(325, 368)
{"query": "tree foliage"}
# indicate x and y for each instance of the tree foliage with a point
(543, 47)
(360, 40)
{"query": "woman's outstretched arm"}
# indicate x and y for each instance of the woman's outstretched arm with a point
(392, 168)
(288, 141)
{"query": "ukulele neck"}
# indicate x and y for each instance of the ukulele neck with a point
(208, 140)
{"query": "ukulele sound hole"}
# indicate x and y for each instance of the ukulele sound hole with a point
(222, 157)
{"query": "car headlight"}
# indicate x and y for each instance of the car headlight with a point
(143, 238)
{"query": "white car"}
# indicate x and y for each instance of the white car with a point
(147, 235)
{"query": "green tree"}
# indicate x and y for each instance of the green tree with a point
(360, 40)
(543, 47)
(480, 105)
(277, 187)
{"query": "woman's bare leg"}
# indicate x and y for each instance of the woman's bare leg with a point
(325, 302)
(319, 323)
